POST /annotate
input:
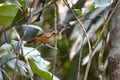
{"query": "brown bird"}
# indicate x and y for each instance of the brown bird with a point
(49, 36)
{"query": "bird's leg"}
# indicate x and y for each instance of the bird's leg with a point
(52, 33)
(59, 36)
(50, 46)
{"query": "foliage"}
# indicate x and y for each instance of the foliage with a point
(31, 59)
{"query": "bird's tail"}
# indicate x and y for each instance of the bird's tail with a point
(30, 41)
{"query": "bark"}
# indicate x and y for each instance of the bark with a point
(114, 53)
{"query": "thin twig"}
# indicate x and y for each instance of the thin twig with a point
(5, 36)
(16, 64)
(34, 49)
(40, 10)
(100, 57)
(55, 25)
(100, 63)
(18, 36)
(88, 66)
(50, 46)
(79, 62)
(59, 57)
(17, 51)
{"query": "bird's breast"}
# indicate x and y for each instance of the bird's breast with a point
(45, 39)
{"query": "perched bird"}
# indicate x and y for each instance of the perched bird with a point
(49, 36)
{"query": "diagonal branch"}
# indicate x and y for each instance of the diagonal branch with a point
(85, 32)
(24, 19)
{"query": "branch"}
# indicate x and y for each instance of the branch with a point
(9, 27)
(25, 18)
(40, 10)
(105, 25)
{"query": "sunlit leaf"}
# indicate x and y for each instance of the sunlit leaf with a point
(5, 57)
(1, 77)
(34, 54)
(8, 59)
(33, 26)
(15, 43)
(88, 9)
(5, 46)
(78, 11)
(30, 52)
(103, 3)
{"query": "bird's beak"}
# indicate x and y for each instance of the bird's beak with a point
(67, 26)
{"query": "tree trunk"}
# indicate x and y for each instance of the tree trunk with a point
(114, 53)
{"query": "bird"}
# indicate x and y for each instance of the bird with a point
(49, 36)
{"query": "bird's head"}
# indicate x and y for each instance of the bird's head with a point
(61, 28)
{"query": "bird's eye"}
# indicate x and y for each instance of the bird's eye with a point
(63, 26)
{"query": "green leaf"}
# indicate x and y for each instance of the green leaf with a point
(78, 11)
(40, 71)
(86, 10)
(18, 16)
(92, 7)
(7, 14)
